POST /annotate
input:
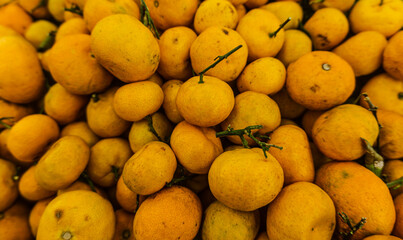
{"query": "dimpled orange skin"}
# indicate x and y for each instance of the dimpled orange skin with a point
(134, 101)
(63, 163)
(358, 192)
(255, 28)
(195, 147)
(22, 79)
(312, 84)
(29, 187)
(370, 15)
(173, 213)
(217, 41)
(150, 168)
(167, 13)
(295, 158)
(14, 224)
(175, 55)
(302, 211)
(381, 237)
(84, 214)
(29, 137)
(16, 111)
(363, 51)
(392, 56)
(77, 71)
(206, 104)
(128, 62)
(398, 228)
(245, 192)
(15, 17)
(337, 132)
(252, 108)
(9, 192)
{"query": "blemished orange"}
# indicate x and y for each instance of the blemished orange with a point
(30, 137)
(150, 168)
(320, 80)
(174, 46)
(392, 60)
(63, 163)
(338, 132)
(22, 77)
(134, 101)
(295, 158)
(222, 222)
(205, 104)
(77, 214)
(77, 71)
(173, 213)
(358, 192)
(217, 41)
(8, 185)
(245, 192)
(128, 62)
(302, 211)
(14, 222)
(191, 142)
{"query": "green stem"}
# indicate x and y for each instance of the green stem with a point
(395, 184)
(95, 97)
(115, 171)
(302, 28)
(48, 42)
(17, 174)
(374, 110)
(274, 34)
(42, 3)
(373, 161)
(152, 129)
(5, 124)
(84, 176)
(400, 94)
(380, 4)
(147, 20)
(74, 9)
(217, 60)
(349, 222)
(248, 132)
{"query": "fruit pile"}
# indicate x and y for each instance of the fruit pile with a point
(191, 119)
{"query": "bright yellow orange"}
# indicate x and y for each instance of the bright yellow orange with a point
(14, 16)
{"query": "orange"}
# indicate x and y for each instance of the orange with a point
(4, 152)
(301, 211)
(358, 192)
(392, 171)
(369, 15)
(288, 107)
(22, 77)
(252, 108)
(295, 158)
(320, 80)
(14, 16)
(391, 134)
(381, 237)
(173, 213)
(222, 222)
(126, 198)
(95, 10)
(134, 101)
(398, 228)
(80, 185)
(385, 92)
(56, 9)
(241, 10)
(245, 192)
(215, 13)
(14, 223)
(128, 62)
(296, 44)
(107, 158)
(77, 214)
(255, 28)
(338, 132)
(265, 75)
(255, 3)
(343, 6)
(36, 214)
(170, 89)
(80, 129)
(29, 187)
(77, 71)
(7, 31)
(217, 41)
(150, 168)
(63, 163)
(363, 51)
(38, 31)
(71, 27)
(73, 4)
(174, 46)
(9, 186)
(205, 104)
(328, 27)
(392, 61)
(15, 111)
(34, 8)
(63, 106)
(284, 10)
(30, 136)
(124, 225)
(101, 116)
(167, 13)
(195, 147)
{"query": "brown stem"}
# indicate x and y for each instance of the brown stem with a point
(350, 224)
(373, 161)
